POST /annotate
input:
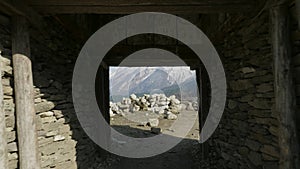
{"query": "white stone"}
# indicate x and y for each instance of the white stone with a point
(172, 97)
(143, 100)
(153, 122)
(190, 107)
(51, 133)
(114, 107)
(37, 100)
(175, 101)
(59, 138)
(163, 103)
(162, 111)
(133, 97)
(136, 108)
(111, 113)
(123, 107)
(171, 116)
(47, 114)
(183, 107)
(5, 61)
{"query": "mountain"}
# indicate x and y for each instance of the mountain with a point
(140, 80)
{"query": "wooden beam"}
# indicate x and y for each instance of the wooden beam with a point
(284, 89)
(3, 141)
(120, 52)
(134, 6)
(24, 98)
(151, 62)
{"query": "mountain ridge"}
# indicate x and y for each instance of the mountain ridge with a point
(179, 81)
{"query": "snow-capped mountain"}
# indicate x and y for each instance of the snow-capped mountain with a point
(140, 80)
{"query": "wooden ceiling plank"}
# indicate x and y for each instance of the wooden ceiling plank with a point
(135, 2)
(134, 6)
(135, 9)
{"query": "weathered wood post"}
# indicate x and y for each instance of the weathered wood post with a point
(102, 94)
(284, 88)
(3, 143)
(24, 98)
(203, 88)
(102, 90)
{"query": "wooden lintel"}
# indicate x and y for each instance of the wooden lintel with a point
(134, 6)
(120, 52)
(284, 88)
(24, 95)
(153, 63)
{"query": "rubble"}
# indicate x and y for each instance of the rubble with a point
(157, 103)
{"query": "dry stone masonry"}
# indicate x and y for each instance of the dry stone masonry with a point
(159, 104)
(8, 102)
(296, 60)
(247, 136)
(62, 142)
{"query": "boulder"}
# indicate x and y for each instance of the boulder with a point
(111, 113)
(190, 107)
(153, 122)
(171, 116)
(114, 108)
(124, 106)
(175, 101)
(183, 107)
(133, 97)
(155, 130)
(135, 108)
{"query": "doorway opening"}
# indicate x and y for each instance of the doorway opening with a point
(145, 101)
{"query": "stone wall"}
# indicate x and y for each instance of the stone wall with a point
(296, 60)
(8, 102)
(62, 142)
(247, 136)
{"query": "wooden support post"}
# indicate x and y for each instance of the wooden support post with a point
(103, 90)
(3, 141)
(102, 95)
(106, 93)
(24, 98)
(284, 88)
(203, 87)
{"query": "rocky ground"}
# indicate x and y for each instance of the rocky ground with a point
(148, 116)
(152, 107)
(179, 157)
(147, 122)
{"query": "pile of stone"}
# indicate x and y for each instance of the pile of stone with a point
(157, 103)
